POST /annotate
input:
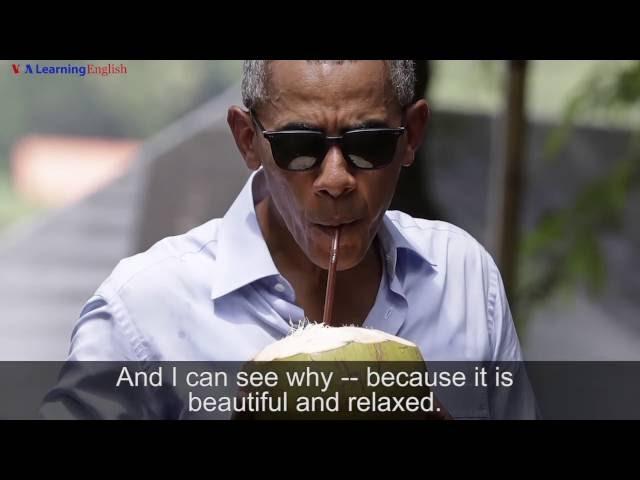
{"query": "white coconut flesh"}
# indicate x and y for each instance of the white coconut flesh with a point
(319, 342)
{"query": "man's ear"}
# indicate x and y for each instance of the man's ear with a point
(417, 119)
(243, 132)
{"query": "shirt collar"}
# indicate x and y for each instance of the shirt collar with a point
(243, 256)
(392, 242)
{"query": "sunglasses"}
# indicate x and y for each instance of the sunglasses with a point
(300, 150)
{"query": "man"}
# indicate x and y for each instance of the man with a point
(326, 141)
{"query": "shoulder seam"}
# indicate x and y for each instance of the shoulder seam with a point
(492, 296)
(159, 261)
(123, 319)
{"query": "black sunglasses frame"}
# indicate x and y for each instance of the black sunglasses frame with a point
(329, 142)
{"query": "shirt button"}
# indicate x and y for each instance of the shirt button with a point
(388, 313)
(279, 287)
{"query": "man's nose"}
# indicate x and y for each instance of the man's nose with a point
(335, 177)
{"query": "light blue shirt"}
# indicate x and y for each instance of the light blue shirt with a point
(214, 294)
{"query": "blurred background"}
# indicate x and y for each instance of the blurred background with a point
(539, 160)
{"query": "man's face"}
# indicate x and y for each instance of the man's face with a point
(332, 98)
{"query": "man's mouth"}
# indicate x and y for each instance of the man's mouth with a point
(329, 228)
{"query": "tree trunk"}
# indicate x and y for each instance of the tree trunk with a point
(506, 181)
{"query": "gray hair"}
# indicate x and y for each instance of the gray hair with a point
(255, 80)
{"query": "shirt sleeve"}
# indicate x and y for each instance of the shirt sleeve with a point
(104, 340)
(517, 400)
(105, 331)
(504, 338)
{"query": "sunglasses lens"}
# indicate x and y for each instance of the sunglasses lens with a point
(370, 149)
(297, 150)
(365, 149)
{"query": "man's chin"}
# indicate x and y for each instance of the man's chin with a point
(348, 257)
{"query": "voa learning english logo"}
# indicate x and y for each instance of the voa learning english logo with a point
(77, 70)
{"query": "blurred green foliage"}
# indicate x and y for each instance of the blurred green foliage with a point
(563, 252)
(12, 206)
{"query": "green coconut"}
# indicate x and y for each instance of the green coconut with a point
(344, 354)
(317, 342)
